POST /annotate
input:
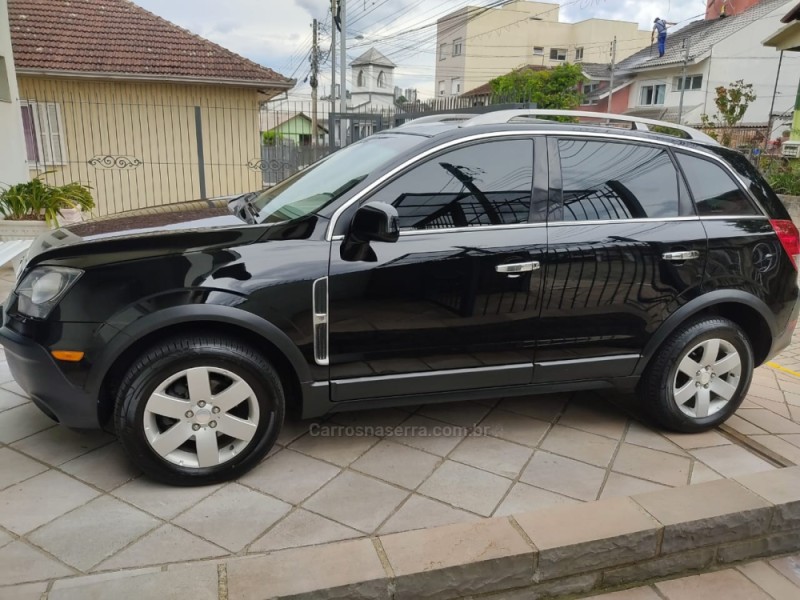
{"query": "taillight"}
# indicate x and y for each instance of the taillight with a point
(789, 237)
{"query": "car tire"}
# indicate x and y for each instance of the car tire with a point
(699, 376)
(188, 397)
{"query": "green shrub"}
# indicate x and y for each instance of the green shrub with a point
(783, 175)
(37, 200)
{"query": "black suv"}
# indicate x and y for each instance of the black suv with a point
(447, 259)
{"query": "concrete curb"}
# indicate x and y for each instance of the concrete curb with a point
(552, 552)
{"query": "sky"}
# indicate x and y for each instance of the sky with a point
(277, 33)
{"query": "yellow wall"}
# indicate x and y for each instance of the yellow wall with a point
(153, 123)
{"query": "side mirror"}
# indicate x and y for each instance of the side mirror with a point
(375, 222)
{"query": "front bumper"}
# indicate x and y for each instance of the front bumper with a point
(38, 374)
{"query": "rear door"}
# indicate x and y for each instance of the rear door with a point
(626, 249)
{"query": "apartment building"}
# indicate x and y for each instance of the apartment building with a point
(475, 45)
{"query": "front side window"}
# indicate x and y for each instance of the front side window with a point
(558, 54)
(610, 181)
(458, 45)
(483, 184)
(652, 94)
(715, 192)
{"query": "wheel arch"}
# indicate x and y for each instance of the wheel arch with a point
(747, 311)
(220, 320)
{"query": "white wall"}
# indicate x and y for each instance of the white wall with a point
(13, 165)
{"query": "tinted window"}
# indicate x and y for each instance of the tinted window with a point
(755, 182)
(714, 190)
(606, 180)
(483, 184)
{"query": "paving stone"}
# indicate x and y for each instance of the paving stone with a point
(162, 500)
(357, 501)
(769, 421)
(107, 467)
(466, 487)
(422, 436)
(293, 429)
(585, 537)
(515, 427)
(348, 569)
(378, 418)
(728, 584)
(337, 449)
(595, 416)
(691, 441)
(587, 447)
(493, 454)
(768, 545)
(706, 514)
(618, 485)
(553, 588)
(738, 424)
(639, 593)
(766, 392)
(782, 488)
(21, 421)
(26, 591)
(524, 498)
(779, 408)
(32, 503)
(420, 512)
(564, 476)
(654, 465)
(5, 372)
(302, 528)
(198, 582)
(233, 516)
(106, 523)
(789, 567)
(458, 560)
(779, 446)
(398, 464)
(22, 563)
(9, 399)
(769, 580)
(792, 438)
(663, 566)
(5, 538)
(290, 476)
(164, 545)
(462, 414)
(731, 461)
(544, 408)
(57, 445)
(702, 473)
(640, 435)
(15, 467)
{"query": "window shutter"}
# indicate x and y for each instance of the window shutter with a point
(51, 139)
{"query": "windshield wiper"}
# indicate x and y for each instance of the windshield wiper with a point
(243, 207)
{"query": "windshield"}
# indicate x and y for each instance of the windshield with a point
(311, 189)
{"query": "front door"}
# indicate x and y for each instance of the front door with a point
(453, 304)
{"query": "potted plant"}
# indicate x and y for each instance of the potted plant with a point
(31, 207)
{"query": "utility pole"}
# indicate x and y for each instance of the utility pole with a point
(611, 82)
(343, 70)
(772, 104)
(333, 63)
(314, 83)
(683, 77)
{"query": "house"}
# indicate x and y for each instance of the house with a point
(476, 44)
(483, 95)
(787, 39)
(141, 110)
(716, 52)
(292, 126)
(12, 150)
(372, 89)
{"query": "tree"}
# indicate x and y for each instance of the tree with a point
(732, 103)
(556, 88)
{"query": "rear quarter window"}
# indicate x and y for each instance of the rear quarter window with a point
(715, 192)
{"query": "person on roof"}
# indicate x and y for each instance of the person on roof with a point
(660, 26)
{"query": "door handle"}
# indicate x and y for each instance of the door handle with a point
(523, 267)
(681, 256)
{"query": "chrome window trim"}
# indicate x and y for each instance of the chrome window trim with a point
(552, 133)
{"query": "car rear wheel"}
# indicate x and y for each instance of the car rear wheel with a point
(197, 410)
(700, 375)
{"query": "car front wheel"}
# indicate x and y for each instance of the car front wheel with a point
(197, 410)
(700, 375)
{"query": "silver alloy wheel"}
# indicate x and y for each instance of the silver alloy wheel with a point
(707, 378)
(201, 417)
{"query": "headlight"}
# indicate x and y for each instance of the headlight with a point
(42, 288)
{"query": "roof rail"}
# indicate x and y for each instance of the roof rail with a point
(639, 123)
(443, 118)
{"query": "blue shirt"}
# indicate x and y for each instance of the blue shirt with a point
(660, 26)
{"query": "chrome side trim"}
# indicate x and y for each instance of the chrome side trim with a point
(552, 133)
(319, 308)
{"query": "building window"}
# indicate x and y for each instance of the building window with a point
(588, 88)
(652, 94)
(44, 137)
(558, 54)
(441, 88)
(458, 45)
(455, 85)
(381, 80)
(579, 54)
(692, 82)
(442, 51)
(538, 50)
(360, 82)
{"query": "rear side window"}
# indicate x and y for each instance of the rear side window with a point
(490, 183)
(604, 181)
(715, 191)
